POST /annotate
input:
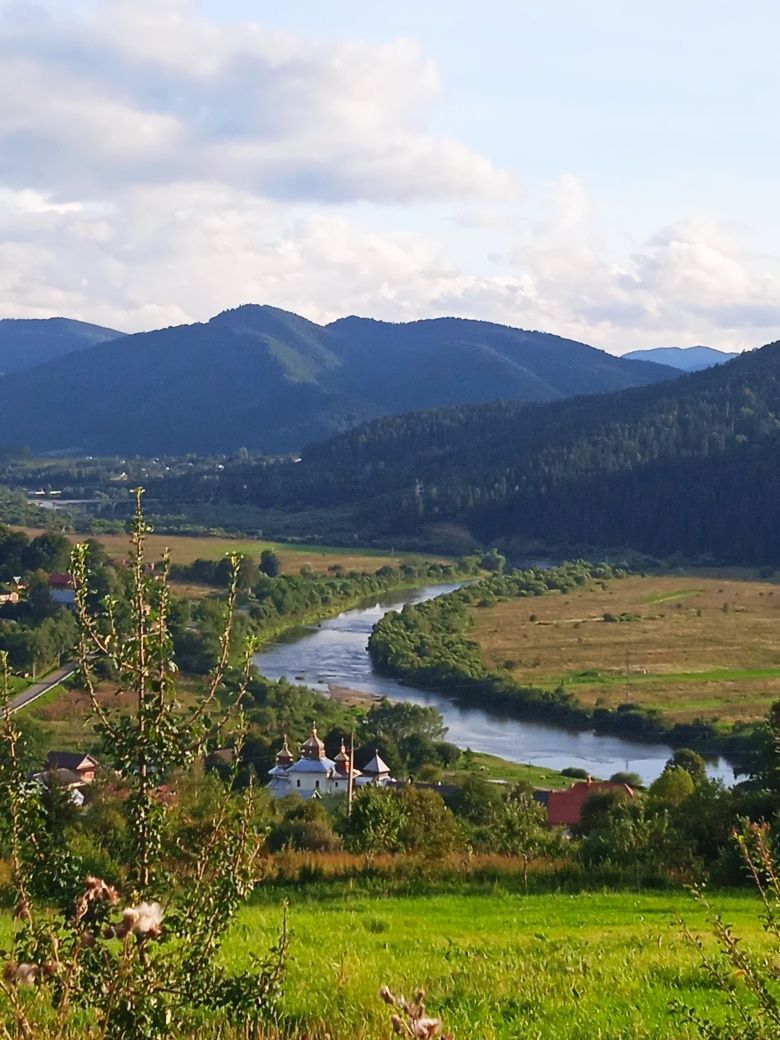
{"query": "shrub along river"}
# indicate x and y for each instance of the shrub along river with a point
(334, 653)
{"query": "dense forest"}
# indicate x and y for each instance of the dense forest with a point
(270, 381)
(687, 467)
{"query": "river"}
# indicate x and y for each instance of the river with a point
(334, 653)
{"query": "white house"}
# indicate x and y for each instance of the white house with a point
(315, 775)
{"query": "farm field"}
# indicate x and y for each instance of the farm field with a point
(293, 556)
(702, 644)
(493, 964)
(65, 712)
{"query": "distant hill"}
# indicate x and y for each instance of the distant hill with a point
(25, 342)
(688, 359)
(691, 466)
(269, 380)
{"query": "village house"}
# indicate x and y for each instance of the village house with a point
(61, 589)
(68, 769)
(564, 808)
(314, 775)
(84, 766)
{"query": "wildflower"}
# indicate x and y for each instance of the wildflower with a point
(415, 1023)
(386, 995)
(143, 920)
(22, 911)
(425, 1027)
(150, 917)
(97, 889)
(20, 974)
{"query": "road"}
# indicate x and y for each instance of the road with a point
(32, 693)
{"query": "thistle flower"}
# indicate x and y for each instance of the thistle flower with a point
(144, 920)
(22, 911)
(95, 891)
(96, 888)
(414, 1022)
(20, 974)
(149, 919)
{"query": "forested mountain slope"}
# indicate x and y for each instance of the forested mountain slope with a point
(271, 381)
(691, 465)
(25, 342)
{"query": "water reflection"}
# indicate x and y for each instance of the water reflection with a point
(334, 653)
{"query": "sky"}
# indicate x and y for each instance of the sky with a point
(603, 170)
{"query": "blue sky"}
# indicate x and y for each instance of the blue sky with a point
(603, 170)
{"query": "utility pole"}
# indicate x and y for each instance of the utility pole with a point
(349, 774)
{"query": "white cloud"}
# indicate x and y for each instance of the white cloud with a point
(143, 92)
(156, 168)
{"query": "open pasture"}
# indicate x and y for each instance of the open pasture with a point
(493, 964)
(701, 644)
(293, 556)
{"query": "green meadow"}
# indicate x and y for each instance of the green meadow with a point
(494, 964)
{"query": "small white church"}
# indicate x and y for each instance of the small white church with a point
(315, 775)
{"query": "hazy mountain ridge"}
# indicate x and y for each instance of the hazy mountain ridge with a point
(26, 342)
(687, 359)
(270, 380)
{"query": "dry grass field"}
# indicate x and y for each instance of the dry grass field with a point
(185, 549)
(703, 644)
(66, 713)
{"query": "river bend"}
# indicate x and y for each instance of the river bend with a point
(333, 653)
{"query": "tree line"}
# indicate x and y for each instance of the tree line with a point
(428, 644)
(662, 469)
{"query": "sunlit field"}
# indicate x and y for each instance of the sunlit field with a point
(692, 645)
(493, 964)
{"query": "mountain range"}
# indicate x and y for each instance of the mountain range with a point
(688, 466)
(272, 381)
(687, 359)
(26, 342)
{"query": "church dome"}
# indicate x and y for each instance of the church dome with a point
(342, 760)
(284, 756)
(313, 749)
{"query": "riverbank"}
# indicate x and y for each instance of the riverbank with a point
(429, 645)
(293, 622)
(334, 654)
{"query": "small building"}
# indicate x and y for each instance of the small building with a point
(82, 766)
(376, 772)
(69, 770)
(564, 808)
(61, 589)
(313, 775)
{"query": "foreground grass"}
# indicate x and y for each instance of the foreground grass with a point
(494, 964)
(699, 645)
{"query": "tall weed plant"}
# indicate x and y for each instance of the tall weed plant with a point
(136, 958)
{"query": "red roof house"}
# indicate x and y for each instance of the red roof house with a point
(60, 581)
(61, 589)
(564, 808)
